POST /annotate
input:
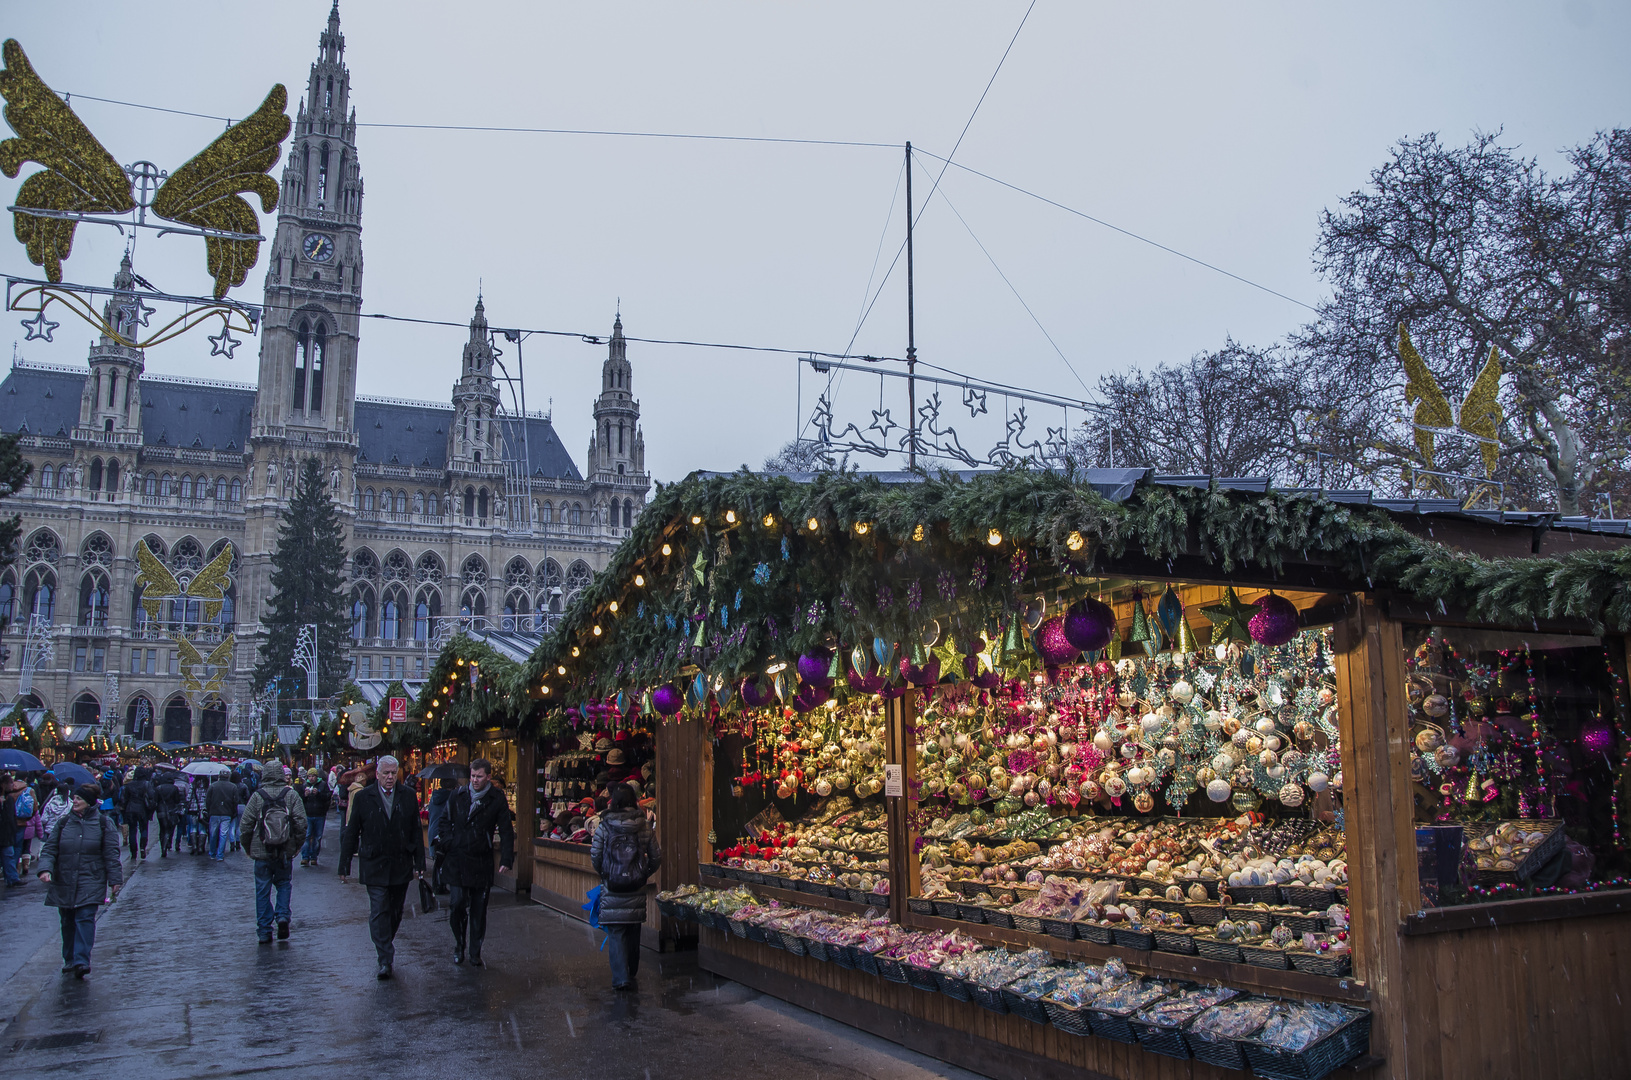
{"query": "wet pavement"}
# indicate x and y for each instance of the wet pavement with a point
(180, 988)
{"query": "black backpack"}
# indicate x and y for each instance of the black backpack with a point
(274, 829)
(625, 860)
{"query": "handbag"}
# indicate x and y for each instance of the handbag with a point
(427, 897)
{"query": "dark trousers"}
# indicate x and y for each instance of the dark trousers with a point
(623, 949)
(272, 885)
(314, 838)
(138, 825)
(469, 907)
(384, 916)
(78, 933)
(167, 833)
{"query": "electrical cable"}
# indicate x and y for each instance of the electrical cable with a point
(1071, 367)
(1119, 229)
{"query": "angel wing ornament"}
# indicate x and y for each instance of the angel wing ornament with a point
(159, 584)
(215, 666)
(1422, 389)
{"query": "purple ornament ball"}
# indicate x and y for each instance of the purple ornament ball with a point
(813, 669)
(1090, 624)
(756, 693)
(1054, 644)
(1275, 622)
(1597, 738)
(667, 700)
(810, 697)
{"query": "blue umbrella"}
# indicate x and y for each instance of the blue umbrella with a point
(20, 761)
(72, 772)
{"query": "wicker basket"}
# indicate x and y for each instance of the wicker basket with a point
(1168, 1041)
(1308, 897)
(1175, 941)
(1315, 1060)
(1111, 1025)
(866, 961)
(917, 905)
(816, 950)
(753, 877)
(842, 955)
(1129, 938)
(1299, 922)
(1059, 928)
(953, 987)
(1067, 1018)
(1213, 949)
(973, 913)
(947, 909)
(1029, 1007)
(793, 943)
(1268, 956)
(1204, 914)
(1099, 935)
(755, 932)
(1224, 1053)
(856, 896)
(1025, 892)
(670, 908)
(1028, 923)
(773, 938)
(1318, 963)
(921, 978)
(1171, 906)
(892, 969)
(987, 998)
(1209, 884)
(997, 917)
(1538, 857)
(739, 927)
(971, 886)
(1254, 894)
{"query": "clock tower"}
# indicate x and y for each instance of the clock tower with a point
(308, 359)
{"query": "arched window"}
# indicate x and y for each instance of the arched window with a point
(237, 490)
(318, 355)
(433, 505)
(150, 484)
(481, 503)
(48, 476)
(220, 489)
(186, 487)
(139, 718)
(475, 603)
(427, 608)
(474, 571)
(368, 499)
(469, 501)
(402, 502)
(390, 627)
(113, 476)
(228, 614)
(87, 710)
(628, 514)
(41, 590)
(360, 615)
(8, 597)
(167, 485)
(113, 387)
(302, 350)
(96, 474)
(178, 720)
(518, 573)
(544, 512)
(93, 601)
(577, 513)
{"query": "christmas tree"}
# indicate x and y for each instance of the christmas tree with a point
(306, 590)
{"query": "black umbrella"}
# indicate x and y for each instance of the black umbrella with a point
(447, 770)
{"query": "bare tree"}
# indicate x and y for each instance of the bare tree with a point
(800, 455)
(1475, 247)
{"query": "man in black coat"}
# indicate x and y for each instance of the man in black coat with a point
(464, 838)
(138, 800)
(170, 815)
(382, 826)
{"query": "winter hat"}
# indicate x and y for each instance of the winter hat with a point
(89, 792)
(615, 757)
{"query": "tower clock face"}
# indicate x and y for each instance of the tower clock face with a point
(319, 247)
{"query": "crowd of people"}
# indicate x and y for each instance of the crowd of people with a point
(274, 815)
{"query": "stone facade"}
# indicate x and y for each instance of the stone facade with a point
(457, 510)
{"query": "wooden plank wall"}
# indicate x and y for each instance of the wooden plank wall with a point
(1003, 1046)
(684, 773)
(1543, 999)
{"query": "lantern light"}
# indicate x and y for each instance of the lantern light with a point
(861, 528)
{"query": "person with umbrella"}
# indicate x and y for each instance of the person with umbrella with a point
(79, 864)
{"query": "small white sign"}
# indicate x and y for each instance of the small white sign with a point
(894, 780)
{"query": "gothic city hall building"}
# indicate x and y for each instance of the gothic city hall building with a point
(457, 508)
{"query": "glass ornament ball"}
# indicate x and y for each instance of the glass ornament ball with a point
(1275, 622)
(1291, 795)
(1051, 642)
(1089, 624)
(1246, 800)
(1218, 790)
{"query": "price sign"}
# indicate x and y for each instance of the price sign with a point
(894, 780)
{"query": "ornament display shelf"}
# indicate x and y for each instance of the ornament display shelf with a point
(711, 879)
(1511, 912)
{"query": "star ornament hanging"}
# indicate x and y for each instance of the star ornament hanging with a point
(223, 343)
(1230, 619)
(882, 423)
(39, 327)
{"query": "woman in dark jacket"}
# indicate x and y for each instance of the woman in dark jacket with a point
(624, 853)
(80, 863)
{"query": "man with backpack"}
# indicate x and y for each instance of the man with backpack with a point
(463, 840)
(624, 853)
(274, 825)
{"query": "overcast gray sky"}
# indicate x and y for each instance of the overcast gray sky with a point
(1219, 130)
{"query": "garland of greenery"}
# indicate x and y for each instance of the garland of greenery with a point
(453, 704)
(741, 569)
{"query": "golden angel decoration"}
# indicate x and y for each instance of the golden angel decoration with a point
(1481, 413)
(201, 676)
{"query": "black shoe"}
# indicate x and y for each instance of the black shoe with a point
(625, 988)
(66, 968)
(384, 972)
(81, 970)
(458, 954)
(283, 930)
(475, 958)
(144, 853)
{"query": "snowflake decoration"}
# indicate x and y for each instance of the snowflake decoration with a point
(848, 607)
(813, 616)
(979, 576)
(761, 574)
(770, 624)
(1020, 567)
(886, 598)
(914, 595)
(947, 585)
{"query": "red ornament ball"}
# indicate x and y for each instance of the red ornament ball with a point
(1275, 622)
(1090, 624)
(1054, 644)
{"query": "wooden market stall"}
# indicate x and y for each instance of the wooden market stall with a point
(1364, 758)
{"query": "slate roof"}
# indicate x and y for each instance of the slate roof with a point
(195, 413)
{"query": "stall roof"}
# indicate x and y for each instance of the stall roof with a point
(1118, 485)
(374, 691)
(511, 644)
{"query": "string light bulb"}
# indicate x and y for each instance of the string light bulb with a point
(861, 528)
(597, 630)
(668, 549)
(730, 517)
(813, 525)
(1074, 541)
(639, 581)
(770, 521)
(560, 669)
(917, 533)
(612, 607)
(576, 651)
(696, 519)
(993, 538)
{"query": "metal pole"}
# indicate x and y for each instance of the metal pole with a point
(911, 328)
